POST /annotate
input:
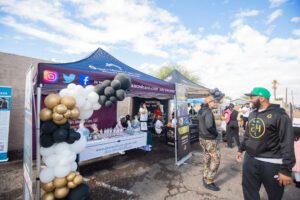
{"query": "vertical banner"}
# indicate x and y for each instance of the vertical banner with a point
(27, 155)
(5, 106)
(183, 147)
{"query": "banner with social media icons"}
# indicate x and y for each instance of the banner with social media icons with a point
(5, 106)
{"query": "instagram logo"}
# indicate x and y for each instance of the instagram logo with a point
(50, 76)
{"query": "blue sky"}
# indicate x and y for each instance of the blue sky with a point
(218, 40)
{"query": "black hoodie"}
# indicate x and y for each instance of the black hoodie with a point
(207, 125)
(269, 134)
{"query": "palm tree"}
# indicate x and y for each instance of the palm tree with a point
(274, 86)
(164, 71)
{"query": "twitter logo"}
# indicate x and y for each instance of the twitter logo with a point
(69, 78)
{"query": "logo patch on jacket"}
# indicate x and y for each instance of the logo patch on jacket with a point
(269, 116)
(257, 128)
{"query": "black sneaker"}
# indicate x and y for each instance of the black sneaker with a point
(212, 187)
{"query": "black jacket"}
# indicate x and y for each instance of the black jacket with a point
(269, 134)
(207, 125)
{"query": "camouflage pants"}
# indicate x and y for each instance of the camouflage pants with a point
(212, 158)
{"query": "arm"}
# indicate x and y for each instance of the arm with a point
(286, 136)
(209, 122)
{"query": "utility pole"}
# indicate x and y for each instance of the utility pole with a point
(286, 96)
(292, 98)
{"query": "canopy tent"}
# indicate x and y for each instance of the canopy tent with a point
(97, 67)
(193, 90)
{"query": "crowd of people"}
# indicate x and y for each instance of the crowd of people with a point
(267, 145)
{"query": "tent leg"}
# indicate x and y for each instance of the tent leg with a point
(38, 156)
(175, 132)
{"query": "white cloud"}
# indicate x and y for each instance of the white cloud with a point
(295, 19)
(296, 32)
(142, 26)
(247, 13)
(216, 25)
(274, 15)
(275, 3)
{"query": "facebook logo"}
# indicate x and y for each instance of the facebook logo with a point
(84, 79)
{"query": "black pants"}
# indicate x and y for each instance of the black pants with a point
(257, 172)
(232, 130)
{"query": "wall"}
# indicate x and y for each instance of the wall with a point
(13, 73)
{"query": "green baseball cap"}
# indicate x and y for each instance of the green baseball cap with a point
(259, 91)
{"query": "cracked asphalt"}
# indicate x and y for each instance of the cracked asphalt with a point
(149, 175)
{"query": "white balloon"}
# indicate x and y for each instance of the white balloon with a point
(96, 106)
(85, 114)
(50, 161)
(72, 93)
(93, 97)
(87, 106)
(66, 158)
(79, 89)
(60, 147)
(71, 86)
(80, 102)
(62, 170)
(64, 92)
(46, 175)
(90, 88)
(47, 151)
(74, 166)
(79, 145)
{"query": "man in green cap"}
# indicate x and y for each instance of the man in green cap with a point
(269, 146)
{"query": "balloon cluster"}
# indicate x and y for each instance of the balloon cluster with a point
(60, 143)
(86, 99)
(59, 109)
(217, 94)
(112, 91)
(52, 133)
(59, 188)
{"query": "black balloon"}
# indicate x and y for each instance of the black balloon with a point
(73, 136)
(120, 94)
(60, 135)
(81, 192)
(46, 140)
(108, 103)
(125, 81)
(65, 126)
(99, 89)
(106, 83)
(102, 100)
(113, 99)
(48, 127)
(109, 91)
(116, 84)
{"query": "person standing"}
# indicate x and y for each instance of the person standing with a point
(232, 129)
(268, 142)
(208, 141)
(245, 114)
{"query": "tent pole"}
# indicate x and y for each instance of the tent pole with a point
(175, 117)
(38, 156)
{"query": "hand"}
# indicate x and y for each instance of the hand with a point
(239, 156)
(284, 180)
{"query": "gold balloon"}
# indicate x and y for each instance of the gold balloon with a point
(77, 173)
(45, 114)
(71, 185)
(78, 179)
(48, 187)
(52, 100)
(60, 193)
(68, 101)
(75, 113)
(60, 109)
(57, 116)
(60, 182)
(60, 122)
(67, 114)
(71, 176)
(48, 196)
